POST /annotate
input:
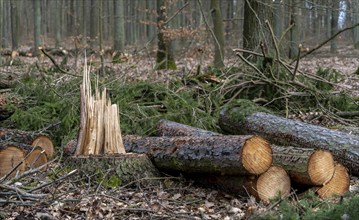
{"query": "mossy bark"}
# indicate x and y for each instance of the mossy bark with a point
(282, 131)
(125, 167)
(224, 155)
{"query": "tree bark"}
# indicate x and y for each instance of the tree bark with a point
(37, 27)
(304, 165)
(225, 155)
(218, 30)
(15, 24)
(165, 58)
(29, 138)
(355, 17)
(125, 168)
(334, 25)
(119, 30)
(294, 31)
(282, 131)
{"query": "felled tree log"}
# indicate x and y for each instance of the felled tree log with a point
(304, 165)
(29, 138)
(11, 154)
(275, 181)
(338, 185)
(282, 131)
(228, 155)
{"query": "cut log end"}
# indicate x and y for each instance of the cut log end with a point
(321, 167)
(45, 143)
(36, 158)
(338, 185)
(275, 182)
(10, 158)
(256, 155)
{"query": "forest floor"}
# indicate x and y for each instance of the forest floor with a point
(173, 197)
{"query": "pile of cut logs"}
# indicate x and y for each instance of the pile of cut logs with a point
(20, 151)
(242, 164)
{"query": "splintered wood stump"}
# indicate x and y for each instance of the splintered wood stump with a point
(338, 185)
(282, 131)
(12, 154)
(125, 168)
(274, 182)
(228, 155)
(29, 138)
(304, 165)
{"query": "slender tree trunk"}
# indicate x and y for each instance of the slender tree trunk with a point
(165, 58)
(84, 21)
(100, 30)
(278, 18)
(119, 30)
(218, 30)
(37, 26)
(355, 17)
(93, 22)
(58, 23)
(334, 26)
(1, 29)
(15, 24)
(294, 31)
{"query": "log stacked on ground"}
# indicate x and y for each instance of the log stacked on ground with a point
(22, 155)
(29, 138)
(282, 131)
(225, 155)
(304, 165)
(338, 185)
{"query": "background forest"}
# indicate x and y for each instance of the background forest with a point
(180, 60)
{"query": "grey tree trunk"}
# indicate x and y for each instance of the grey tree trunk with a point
(1, 29)
(218, 30)
(37, 26)
(255, 13)
(165, 58)
(355, 17)
(295, 31)
(93, 22)
(278, 18)
(84, 21)
(58, 24)
(119, 30)
(15, 24)
(334, 26)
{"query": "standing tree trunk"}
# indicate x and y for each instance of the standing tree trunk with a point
(119, 29)
(278, 18)
(218, 30)
(15, 24)
(93, 22)
(334, 26)
(294, 31)
(1, 29)
(37, 26)
(165, 58)
(58, 24)
(355, 17)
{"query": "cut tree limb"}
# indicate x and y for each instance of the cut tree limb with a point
(226, 155)
(304, 165)
(282, 131)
